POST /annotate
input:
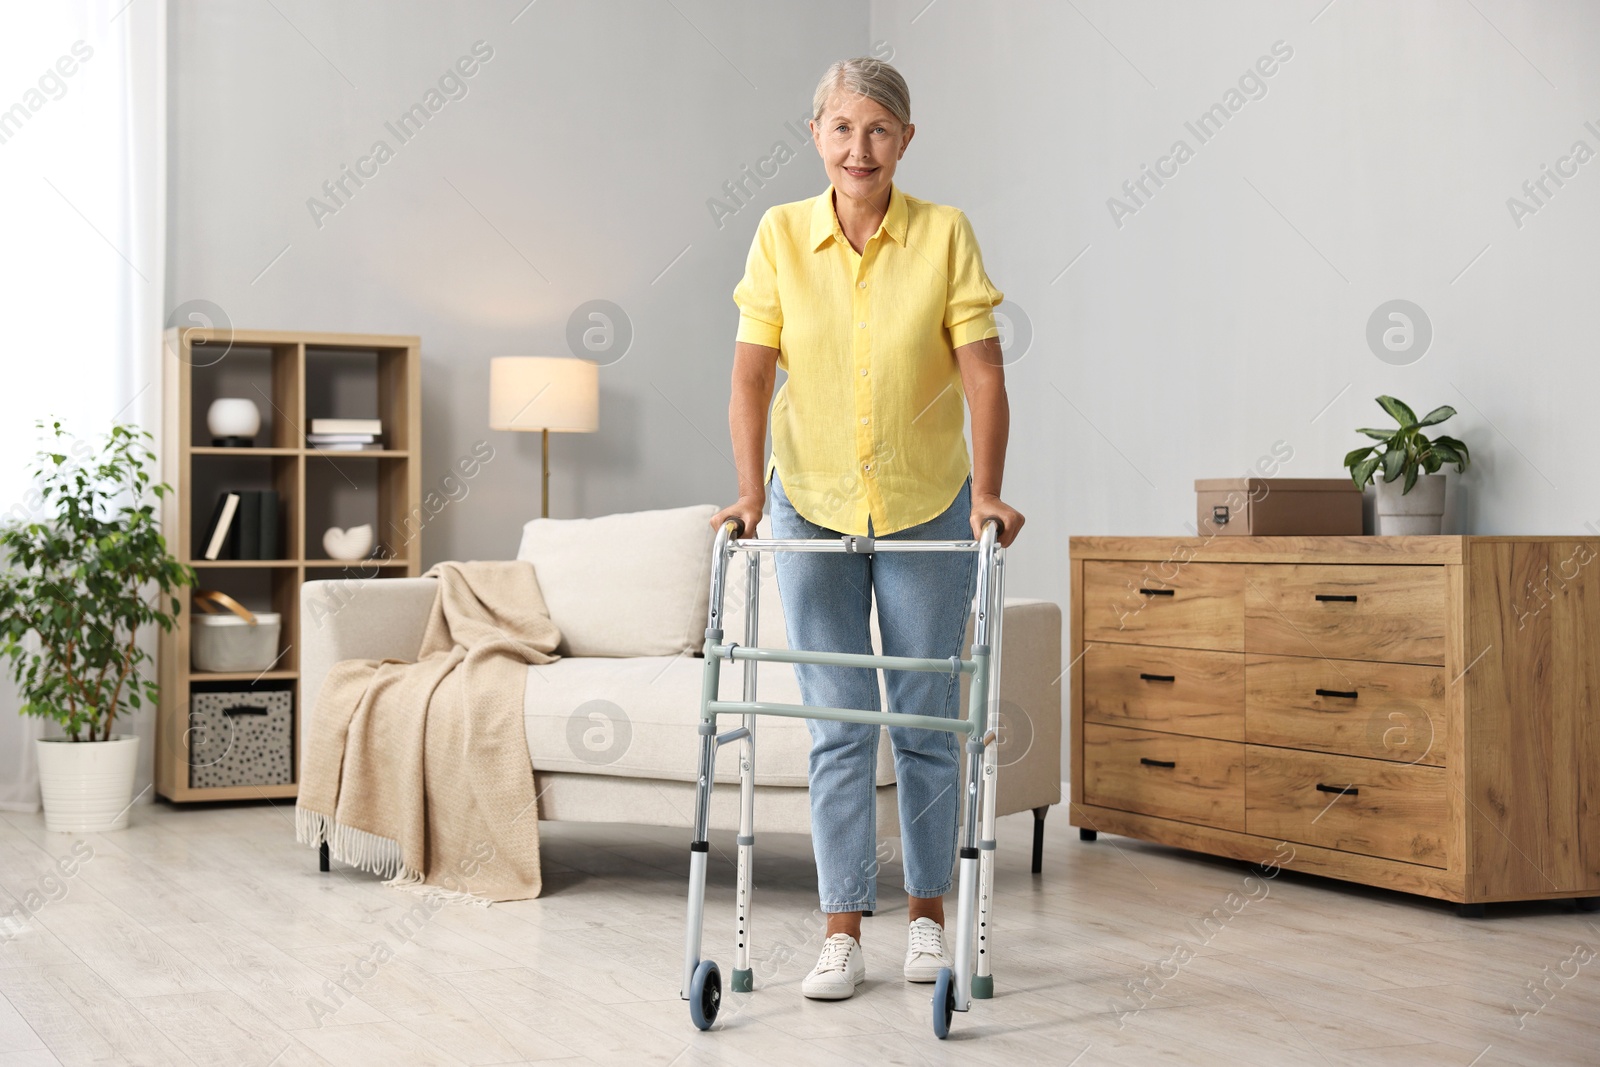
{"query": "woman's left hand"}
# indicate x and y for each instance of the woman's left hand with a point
(989, 506)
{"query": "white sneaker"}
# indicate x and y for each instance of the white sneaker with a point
(841, 968)
(925, 954)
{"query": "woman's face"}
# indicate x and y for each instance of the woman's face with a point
(860, 143)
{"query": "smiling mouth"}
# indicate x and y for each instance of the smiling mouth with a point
(859, 172)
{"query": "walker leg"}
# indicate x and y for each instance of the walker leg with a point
(967, 879)
(694, 922)
(698, 846)
(743, 978)
(983, 980)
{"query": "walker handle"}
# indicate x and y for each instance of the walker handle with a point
(738, 526)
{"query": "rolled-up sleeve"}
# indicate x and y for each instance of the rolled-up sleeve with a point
(969, 313)
(760, 311)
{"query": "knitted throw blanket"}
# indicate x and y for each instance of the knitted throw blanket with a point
(419, 772)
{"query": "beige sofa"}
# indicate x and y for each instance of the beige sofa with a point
(611, 726)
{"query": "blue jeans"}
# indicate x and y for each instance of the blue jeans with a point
(923, 602)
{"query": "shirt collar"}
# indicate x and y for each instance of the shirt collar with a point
(825, 222)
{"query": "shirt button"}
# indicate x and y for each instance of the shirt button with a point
(863, 422)
(863, 285)
(861, 326)
(863, 372)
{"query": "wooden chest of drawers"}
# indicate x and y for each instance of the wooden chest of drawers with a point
(1418, 713)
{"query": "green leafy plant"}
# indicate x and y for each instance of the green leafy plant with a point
(84, 579)
(1405, 452)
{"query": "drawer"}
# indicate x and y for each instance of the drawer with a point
(1392, 711)
(1201, 605)
(1374, 807)
(1192, 779)
(1385, 612)
(1181, 691)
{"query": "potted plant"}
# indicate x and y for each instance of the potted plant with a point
(83, 571)
(1411, 492)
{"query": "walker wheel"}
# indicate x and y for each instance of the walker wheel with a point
(705, 994)
(944, 1003)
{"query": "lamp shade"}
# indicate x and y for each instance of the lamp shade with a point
(544, 393)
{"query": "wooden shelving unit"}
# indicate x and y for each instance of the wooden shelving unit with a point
(285, 373)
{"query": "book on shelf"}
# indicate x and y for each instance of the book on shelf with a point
(217, 539)
(269, 525)
(247, 526)
(363, 426)
(244, 525)
(342, 438)
(344, 442)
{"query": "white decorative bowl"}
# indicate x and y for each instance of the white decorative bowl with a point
(233, 417)
(354, 543)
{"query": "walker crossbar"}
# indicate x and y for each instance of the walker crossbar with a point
(969, 977)
(866, 718)
(841, 659)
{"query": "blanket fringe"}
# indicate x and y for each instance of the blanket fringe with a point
(373, 854)
(411, 881)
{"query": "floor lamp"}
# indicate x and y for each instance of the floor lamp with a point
(547, 394)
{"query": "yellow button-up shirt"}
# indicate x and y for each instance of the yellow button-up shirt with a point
(870, 420)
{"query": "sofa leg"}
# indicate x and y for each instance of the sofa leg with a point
(1038, 838)
(322, 857)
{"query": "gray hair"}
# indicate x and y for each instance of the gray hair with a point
(864, 76)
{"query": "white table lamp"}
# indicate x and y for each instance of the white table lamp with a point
(546, 394)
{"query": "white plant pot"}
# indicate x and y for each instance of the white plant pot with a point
(1420, 511)
(87, 785)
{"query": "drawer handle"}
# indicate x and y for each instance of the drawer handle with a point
(1344, 598)
(246, 709)
(1157, 677)
(1342, 790)
(1347, 695)
(1156, 592)
(1148, 762)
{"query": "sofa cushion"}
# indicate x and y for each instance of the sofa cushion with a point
(637, 717)
(633, 584)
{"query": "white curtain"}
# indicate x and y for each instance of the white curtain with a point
(82, 262)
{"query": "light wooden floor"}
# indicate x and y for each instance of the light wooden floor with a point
(208, 937)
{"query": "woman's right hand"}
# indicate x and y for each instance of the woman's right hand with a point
(747, 509)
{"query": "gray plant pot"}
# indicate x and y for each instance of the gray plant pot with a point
(1420, 511)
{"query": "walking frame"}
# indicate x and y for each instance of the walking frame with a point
(969, 978)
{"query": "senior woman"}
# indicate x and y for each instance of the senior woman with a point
(877, 306)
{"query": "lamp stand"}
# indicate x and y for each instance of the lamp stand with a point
(544, 480)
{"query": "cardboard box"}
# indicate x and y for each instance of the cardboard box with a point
(1277, 506)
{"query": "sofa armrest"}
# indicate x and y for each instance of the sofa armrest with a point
(1030, 705)
(381, 618)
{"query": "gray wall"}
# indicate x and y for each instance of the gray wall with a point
(578, 166)
(1230, 311)
(1225, 315)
